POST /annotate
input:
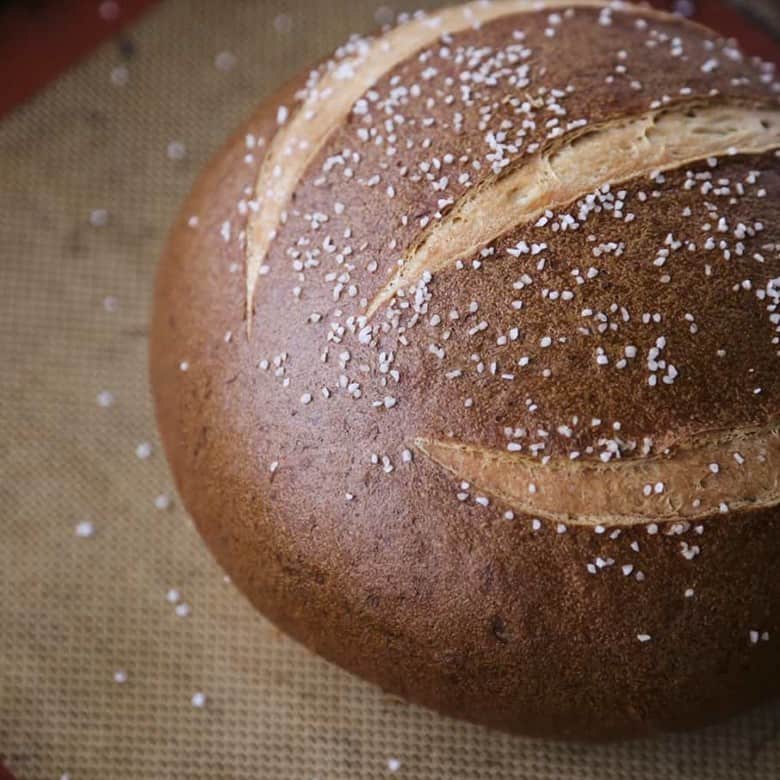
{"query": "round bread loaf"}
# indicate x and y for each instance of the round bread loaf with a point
(466, 360)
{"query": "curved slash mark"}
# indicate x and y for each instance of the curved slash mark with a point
(703, 476)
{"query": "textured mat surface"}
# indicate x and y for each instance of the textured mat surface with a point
(91, 173)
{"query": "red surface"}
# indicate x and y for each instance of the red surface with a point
(5, 774)
(38, 40)
(733, 24)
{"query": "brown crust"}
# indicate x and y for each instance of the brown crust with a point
(658, 141)
(441, 600)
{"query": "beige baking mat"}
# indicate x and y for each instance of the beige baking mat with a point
(76, 611)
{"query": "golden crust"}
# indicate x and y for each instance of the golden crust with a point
(729, 472)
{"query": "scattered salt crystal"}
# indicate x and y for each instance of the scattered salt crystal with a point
(163, 501)
(684, 7)
(105, 398)
(143, 450)
(384, 15)
(120, 75)
(108, 10)
(176, 150)
(199, 700)
(120, 676)
(98, 217)
(225, 61)
(283, 23)
(173, 596)
(85, 529)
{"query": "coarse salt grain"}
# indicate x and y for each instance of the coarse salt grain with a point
(105, 398)
(163, 501)
(173, 596)
(85, 529)
(283, 23)
(225, 61)
(176, 150)
(98, 217)
(108, 10)
(120, 75)
(384, 15)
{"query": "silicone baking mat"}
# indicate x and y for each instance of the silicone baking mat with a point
(123, 651)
